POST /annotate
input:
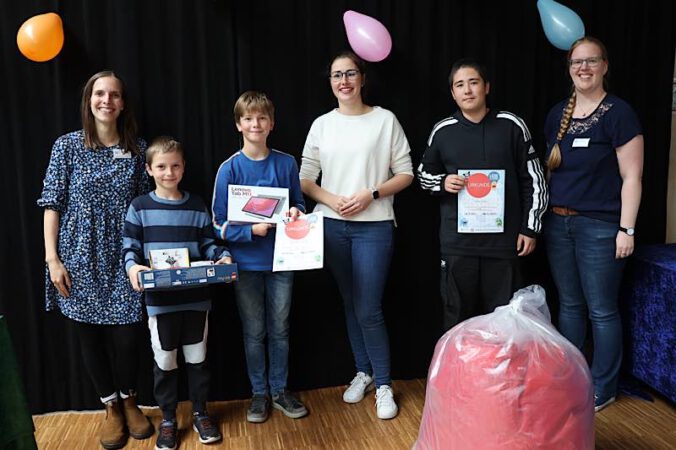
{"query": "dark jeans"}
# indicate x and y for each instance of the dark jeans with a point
(358, 254)
(264, 304)
(110, 355)
(474, 285)
(581, 253)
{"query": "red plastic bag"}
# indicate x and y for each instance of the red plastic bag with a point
(508, 381)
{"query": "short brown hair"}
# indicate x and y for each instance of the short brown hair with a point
(163, 144)
(253, 101)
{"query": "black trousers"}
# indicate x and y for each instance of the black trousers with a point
(110, 355)
(188, 330)
(474, 285)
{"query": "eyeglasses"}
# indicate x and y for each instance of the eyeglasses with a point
(591, 62)
(351, 75)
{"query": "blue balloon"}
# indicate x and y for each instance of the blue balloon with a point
(561, 24)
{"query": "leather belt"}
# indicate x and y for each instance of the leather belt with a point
(563, 211)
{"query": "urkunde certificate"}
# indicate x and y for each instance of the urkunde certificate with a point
(481, 204)
(299, 245)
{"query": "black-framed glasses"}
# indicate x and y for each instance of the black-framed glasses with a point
(337, 75)
(591, 62)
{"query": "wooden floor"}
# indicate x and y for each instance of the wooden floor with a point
(629, 424)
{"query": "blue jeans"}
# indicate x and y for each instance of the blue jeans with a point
(358, 254)
(264, 302)
(581, 253)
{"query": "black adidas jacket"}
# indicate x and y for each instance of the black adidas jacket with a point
(500, 141)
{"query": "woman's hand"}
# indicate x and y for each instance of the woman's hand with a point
(624, 245)
(59, 277)
(337, 202)
(133, 276)
(260, 229)
(454, 183)
(357, 203)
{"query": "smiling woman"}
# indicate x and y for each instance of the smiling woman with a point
(363, 155)
(92, 177)
(595, 162)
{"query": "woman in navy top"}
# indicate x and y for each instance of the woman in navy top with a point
(93, 175)
(595, 163)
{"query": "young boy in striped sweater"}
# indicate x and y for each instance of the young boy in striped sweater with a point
(171, 218)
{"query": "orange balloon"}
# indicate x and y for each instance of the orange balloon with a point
(40, 38)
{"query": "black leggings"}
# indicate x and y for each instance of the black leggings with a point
(110, 355)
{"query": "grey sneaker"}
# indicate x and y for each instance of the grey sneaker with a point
(258, 409)
(289, 405)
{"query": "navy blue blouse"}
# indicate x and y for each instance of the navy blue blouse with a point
(588, 179)
(91, 190)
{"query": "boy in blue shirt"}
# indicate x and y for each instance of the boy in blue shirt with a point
(263, 297)
(170, 218)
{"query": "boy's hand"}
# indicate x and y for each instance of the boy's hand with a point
(133, 276)
(225, 260)
(293, 213)
(454, 183)
(260, 229)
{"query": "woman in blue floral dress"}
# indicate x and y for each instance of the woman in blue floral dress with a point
(93, 175)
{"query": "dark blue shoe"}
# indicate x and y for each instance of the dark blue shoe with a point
(602, 402)
(206, 428)
(167, 435)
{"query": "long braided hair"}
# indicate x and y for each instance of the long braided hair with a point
(554, 160)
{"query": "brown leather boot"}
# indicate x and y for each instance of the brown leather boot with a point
(138, 425)
(113, 434)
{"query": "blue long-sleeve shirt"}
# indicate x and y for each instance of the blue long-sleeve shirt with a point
(154, 223)
(279, 169)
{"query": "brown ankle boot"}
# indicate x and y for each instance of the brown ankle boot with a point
(138, 425)
(113, 434)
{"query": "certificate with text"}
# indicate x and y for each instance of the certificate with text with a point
(481, 204)
(299, 245)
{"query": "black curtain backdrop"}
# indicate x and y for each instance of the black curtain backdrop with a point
(186, 62)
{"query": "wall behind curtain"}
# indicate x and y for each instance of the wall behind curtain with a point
(186, 62)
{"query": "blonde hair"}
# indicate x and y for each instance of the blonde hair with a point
(554, 160)
(251, 101)
(163, 144)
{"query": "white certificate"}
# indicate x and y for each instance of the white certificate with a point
(481, 204)
(299, 245)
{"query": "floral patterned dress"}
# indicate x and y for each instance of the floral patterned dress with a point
(91, 190)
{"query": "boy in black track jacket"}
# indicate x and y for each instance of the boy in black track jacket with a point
(480, 271)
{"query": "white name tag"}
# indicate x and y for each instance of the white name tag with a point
(119, 154)
(581, 142)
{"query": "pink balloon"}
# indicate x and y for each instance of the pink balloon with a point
(368, 38)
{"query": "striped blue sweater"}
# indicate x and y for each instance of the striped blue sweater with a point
(154, 223)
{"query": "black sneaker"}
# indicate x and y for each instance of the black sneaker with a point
(258, 409)
(205, 427)
(166, 437)
(289, 405)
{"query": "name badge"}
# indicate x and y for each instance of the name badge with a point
(581, 142)
(119, 154)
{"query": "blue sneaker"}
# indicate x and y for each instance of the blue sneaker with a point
(206, 428)
(167, 435)
(602, 402)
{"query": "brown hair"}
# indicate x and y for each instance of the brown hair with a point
(126, 123)
(253, 101)
(554, 160)
(163, 144)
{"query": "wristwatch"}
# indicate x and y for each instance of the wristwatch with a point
(375, 193)
(629, 231)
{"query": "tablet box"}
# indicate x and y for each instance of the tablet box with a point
(255, 204)
(187, 277)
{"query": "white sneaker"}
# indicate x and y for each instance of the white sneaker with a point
(386, 408)
(360, 384)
